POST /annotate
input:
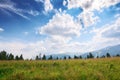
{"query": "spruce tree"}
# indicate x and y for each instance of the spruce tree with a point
(65, 57)
(21, 57)
(50, 58)
(80, 57)
(108, 55)
(44, 57)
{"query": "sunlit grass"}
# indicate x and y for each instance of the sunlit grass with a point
(89, 69)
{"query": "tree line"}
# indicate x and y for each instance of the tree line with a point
(6, 56)
(90, 55)
(9, 56)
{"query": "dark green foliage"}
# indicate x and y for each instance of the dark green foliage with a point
(97, 57)
(44, 57)
(69, 57)
(90, 55)
(10, 56)
(80, 57)
(21, 57)
(75, 57)
(102, 56)
(117, 55)
(3, 55)
(108, 55)
(17, 58)
(50, 58)
(37, 58)
(65, 57)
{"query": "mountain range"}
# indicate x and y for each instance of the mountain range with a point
(112, 50)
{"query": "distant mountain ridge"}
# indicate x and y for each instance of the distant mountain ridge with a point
(112, 50)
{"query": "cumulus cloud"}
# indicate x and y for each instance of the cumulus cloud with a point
(104, 36)
(91, 5)
(1, 29)
(88, 18)
(61, 25)
(47, 5)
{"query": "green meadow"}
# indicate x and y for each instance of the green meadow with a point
(74, 69)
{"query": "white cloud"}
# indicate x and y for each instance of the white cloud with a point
(108, 35)
(61, 25)
(111, 30)
(39, 0)
(1, 29)
(89, 6)
(64, 3)
(88, 18)
(104, 36)
(48, 6)
(8, 5)
(11, 7)
(34, 13)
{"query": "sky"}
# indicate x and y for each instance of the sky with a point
(30, 27)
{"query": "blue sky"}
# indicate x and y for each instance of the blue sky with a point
(30, 27)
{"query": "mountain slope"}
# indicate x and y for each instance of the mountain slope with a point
(112, 50)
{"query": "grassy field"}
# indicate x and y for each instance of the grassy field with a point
(90, 69)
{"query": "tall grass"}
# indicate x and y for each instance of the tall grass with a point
(90, 69)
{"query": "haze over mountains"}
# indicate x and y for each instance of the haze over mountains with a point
(112, 50)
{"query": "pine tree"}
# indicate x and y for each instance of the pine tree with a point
(17, 58)
(75, 57)
(37, 58)
(65, 57)
(108, 55)
(3, 55)
(117, 55)
(10, 56)
(80, 57)
(103, 56)
(44, 57)
(90, 55)
(21, 57)
(97, 57)
(69, 57)
(50, 58)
